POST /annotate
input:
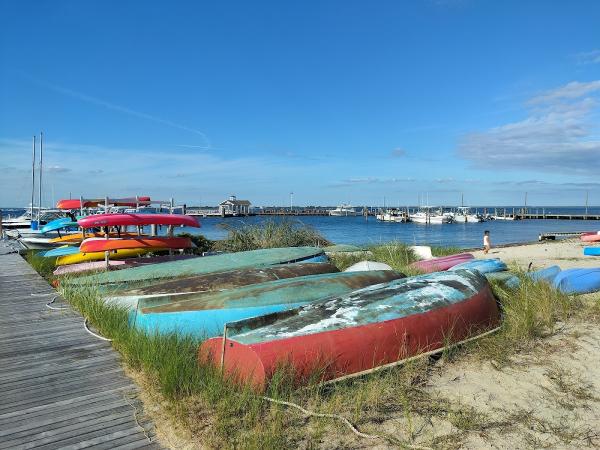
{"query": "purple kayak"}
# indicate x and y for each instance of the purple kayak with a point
(117, 264)
(442, 263)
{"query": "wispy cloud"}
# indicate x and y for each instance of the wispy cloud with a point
(116, 107)
(399, 152)
(56, 169)
(591, 57)
(557, 136)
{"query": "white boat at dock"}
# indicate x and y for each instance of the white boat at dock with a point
(343, 210)
(430, 215)
(464, 214)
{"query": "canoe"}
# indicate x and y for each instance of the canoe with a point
(548, 274)
(484, 266)
(355, 333)
(58, 224)
(228, 280)
(211, 264)
(204, 315)
(590, 237)
(98, 244)
(60, 251)
(115, 220)
(80, 257)
(441, 263)
(93, 266)
(578, 281)
(88, 203)
(77, 238)
(591, 251)
(506, 278)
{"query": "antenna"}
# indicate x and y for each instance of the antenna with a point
(33, 179)
(41, 157)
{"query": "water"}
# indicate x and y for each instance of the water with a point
(358, 231)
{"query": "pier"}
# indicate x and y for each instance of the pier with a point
(61, 387)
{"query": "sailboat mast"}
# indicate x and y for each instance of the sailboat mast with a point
(41, 153)
(32, 179)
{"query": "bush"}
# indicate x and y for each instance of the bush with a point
(202, 244)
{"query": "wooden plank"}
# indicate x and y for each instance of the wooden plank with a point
(61, 387)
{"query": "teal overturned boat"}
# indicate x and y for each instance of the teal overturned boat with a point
(204, 314)
(209, 264)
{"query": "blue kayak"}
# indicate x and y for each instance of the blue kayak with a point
(591, 251)
(61, 251)
(578, 281)
(548, 274)
(58, 224)
(483, 266)
(204, 314)
(506, 278)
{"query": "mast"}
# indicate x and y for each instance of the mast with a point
(33, 179)
(41, 156)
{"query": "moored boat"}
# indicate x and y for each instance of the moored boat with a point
(204, 314)
(355, 333)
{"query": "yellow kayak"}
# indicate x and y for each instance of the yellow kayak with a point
(99, 256)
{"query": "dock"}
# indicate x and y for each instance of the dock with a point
(61, 387)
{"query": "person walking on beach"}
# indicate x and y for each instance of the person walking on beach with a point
(486, 242)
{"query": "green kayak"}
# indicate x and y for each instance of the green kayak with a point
(208, 264)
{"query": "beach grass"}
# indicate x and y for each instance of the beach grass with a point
(270, 234)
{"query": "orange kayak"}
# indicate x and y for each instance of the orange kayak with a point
(102, 244)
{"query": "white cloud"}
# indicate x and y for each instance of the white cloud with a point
(591, 57)
(557, 136)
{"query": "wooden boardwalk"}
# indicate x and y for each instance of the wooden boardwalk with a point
(60, 387)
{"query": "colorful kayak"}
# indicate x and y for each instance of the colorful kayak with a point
(77, 238)
(204, 314)
(115, 220)
(591, 251)
(578, 281)
(229, 280)
(591, 237)
(97, 244)
(60, 251)
(58, 224)
(89, 203)
(94, 266)
(80, 257)
(548, 274)
(210, 264)
(441, 263)
(357, 332)
(482, 265)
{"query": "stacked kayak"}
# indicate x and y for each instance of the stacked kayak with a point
(211, 264)
(357, 332)
(60, 251)
(77, 238)
(578, 281)
(441, 263)
(89, 203)
(591, 237)
(59, 224)
(116, 220)
(205, 314)
(80, 257)
(98, 244)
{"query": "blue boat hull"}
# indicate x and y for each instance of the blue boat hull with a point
(578, 281)
(61, 251)
(591, 251)
(483, 266)
(548, 274)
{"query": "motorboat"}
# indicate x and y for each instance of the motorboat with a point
(464, 214)
(392, 215)
(429, 215)
(343, 210)
(24, 220)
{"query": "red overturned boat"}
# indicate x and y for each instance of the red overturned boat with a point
(441, 263)
(591, 236)
(90, 203)
(352, 334)
(98, 244)
(115, 220)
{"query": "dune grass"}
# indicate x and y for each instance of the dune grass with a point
(270, 234)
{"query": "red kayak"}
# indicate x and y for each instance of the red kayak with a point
(355, 333)
(88, 203)
(442, 263)
(103, 244)
(591, 237)
(114, 220)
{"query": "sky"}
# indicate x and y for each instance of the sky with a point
(335, 101)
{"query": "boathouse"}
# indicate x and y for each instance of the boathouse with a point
(234, 207)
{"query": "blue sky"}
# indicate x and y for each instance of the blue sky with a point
(337, 101)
